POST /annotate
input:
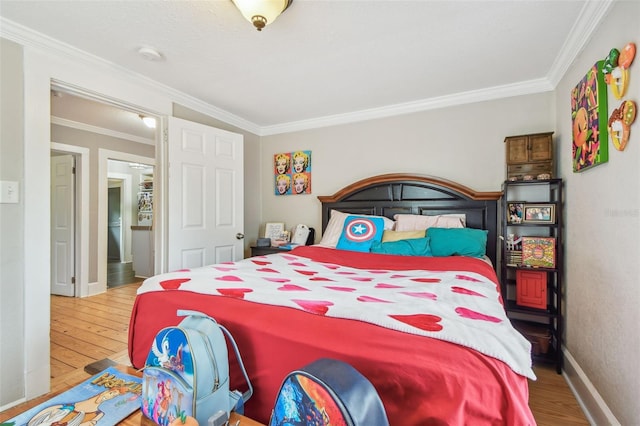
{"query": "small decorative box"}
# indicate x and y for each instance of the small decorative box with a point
(263, 242)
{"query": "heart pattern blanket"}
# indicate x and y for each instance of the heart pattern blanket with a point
(458, 306)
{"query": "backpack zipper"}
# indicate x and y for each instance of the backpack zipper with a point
(216, 374)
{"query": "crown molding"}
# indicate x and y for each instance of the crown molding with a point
(33, 39)
(590, 17)
(482, 95)
(100, 130)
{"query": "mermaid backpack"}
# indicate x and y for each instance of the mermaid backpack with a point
(187, 372)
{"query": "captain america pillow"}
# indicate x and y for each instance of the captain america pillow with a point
(359, 233)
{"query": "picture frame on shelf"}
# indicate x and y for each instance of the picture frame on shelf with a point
(274, 231)
(539, 213)
(515, 212)
(539, 252)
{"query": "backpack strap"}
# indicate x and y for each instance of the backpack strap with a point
(188, 312)
(246, 395)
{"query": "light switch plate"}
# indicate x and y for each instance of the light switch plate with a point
(9, 191)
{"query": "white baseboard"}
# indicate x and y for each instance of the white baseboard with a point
(95, 288)
(12, 404)
(594, 407)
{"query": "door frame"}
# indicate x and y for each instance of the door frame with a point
(104, 155)
(81, 239)
(43, 65)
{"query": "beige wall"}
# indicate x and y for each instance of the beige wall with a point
(464, 144)
(11, 223)
(603, 237)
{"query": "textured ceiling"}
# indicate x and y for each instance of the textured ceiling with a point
(323, 58)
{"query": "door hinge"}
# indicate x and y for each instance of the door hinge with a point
(73, 170)
(73, 280)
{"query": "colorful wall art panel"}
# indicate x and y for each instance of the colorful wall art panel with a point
(616, 75)
(292, 173)
(589, 120)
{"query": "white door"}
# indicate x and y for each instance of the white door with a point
(205, 195)
(62, 226)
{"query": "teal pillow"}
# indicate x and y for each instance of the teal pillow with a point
(359, 232)
(458, 241)
(410, 247)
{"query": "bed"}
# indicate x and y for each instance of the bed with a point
(429, 332)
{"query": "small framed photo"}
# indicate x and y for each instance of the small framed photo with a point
(274, 231)
(515, 212)
(540, 213)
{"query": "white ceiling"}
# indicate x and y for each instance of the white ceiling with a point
(327, 60)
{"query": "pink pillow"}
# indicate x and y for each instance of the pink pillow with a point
(416, 222)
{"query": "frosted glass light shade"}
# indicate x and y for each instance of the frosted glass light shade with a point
(150, 122)
(261, 12)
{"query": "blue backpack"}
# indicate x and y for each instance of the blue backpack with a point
(187, 372)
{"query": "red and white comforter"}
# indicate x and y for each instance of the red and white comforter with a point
(462, 307)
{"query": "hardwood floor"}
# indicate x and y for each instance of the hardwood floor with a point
(89, 329)
(93, 328)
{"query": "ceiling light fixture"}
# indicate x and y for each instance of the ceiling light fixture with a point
(150, 122)
(261, 12)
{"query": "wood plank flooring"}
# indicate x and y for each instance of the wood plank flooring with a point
(93, 328)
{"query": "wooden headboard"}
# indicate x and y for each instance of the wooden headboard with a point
(390, 194)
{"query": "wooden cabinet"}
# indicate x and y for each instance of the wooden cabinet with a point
(529, 155)
(531, 289)
(533, 294)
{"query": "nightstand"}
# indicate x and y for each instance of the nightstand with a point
(262, 251)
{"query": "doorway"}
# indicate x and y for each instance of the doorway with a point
(83, 140)
(119, 270)
(114, 227)
(129, 222)
(88, 123)
(78, 266)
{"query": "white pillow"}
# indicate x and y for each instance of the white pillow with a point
(416, 222)
(462, 216)
(336, 222)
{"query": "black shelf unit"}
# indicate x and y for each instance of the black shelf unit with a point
(534, 323)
